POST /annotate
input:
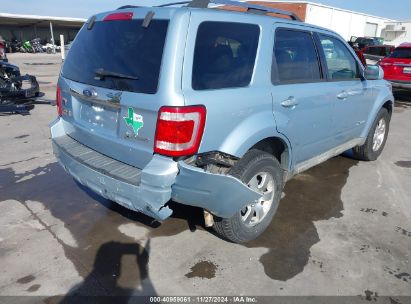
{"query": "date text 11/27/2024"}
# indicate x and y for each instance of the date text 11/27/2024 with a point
(204, 299)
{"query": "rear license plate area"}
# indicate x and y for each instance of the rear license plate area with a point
(407, 70)
(96, 115)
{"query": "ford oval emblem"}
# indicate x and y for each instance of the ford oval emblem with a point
(89, 93)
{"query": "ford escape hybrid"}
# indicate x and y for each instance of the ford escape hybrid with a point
(211, 108)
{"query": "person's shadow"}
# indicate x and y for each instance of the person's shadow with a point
(107, 271)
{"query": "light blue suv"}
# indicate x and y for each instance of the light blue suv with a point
(211, 108)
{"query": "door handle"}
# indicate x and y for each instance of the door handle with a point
(343, 95)
(290, 102)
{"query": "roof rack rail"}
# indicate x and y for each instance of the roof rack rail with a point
(128, 6)
(251, 8)
(173, 3)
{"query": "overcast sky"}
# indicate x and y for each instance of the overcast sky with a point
(394, 9)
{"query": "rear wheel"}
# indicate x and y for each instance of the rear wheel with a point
(261, 172)
(376, 139)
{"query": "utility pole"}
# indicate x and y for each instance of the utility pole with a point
(52, 38)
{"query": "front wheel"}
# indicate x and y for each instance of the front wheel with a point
(261, 172)
(376, 139)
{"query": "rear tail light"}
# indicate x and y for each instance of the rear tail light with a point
(119, 16)
(58, 102)
(179, 130)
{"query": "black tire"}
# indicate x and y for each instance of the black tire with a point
(366, 151)
(253, 162)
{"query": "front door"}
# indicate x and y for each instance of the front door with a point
(353, 97)
(302, 105)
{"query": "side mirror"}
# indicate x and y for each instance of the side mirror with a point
(373, 72)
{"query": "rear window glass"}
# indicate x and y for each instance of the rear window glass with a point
(122, 47)
(401, 53)
(224, 55)
(378, 50)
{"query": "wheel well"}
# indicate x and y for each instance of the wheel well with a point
(277, 147)
(388, 106)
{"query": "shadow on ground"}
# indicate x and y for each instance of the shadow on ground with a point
(110, 262)
(311, 196)
(113, 263)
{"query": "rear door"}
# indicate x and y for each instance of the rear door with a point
(303, 105)
(225, 70)
(110, 85)
(352, 96)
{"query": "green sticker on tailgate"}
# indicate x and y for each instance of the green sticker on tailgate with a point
(134, 120)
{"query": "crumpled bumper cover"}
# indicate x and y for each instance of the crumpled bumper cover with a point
(222, 195)
(161, 180)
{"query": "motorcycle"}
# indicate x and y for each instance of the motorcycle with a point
(49, 48)
(27, 47)
(37, 47)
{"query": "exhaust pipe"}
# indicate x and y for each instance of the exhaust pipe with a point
(208, 219)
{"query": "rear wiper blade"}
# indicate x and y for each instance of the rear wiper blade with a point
(101, 74)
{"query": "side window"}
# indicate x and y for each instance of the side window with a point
(296, 59)
(224, 55)
(340, 62)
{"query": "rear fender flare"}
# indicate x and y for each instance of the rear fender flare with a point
(250, 131)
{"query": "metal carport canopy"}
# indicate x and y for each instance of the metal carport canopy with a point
(31, 20)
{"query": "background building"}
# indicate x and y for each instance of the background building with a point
(396, 33)
(28, 27)
(346, 23)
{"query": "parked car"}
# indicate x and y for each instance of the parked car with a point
(397, 67)
(14, 86)
(362, 42)
(180, 105)
(375, 53)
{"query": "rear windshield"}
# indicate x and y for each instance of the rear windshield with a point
(120, 47)
(378, 50)
(401, 53)
(224, 55)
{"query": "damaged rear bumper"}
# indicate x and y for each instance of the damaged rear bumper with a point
(148, 190)
(222, 195)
